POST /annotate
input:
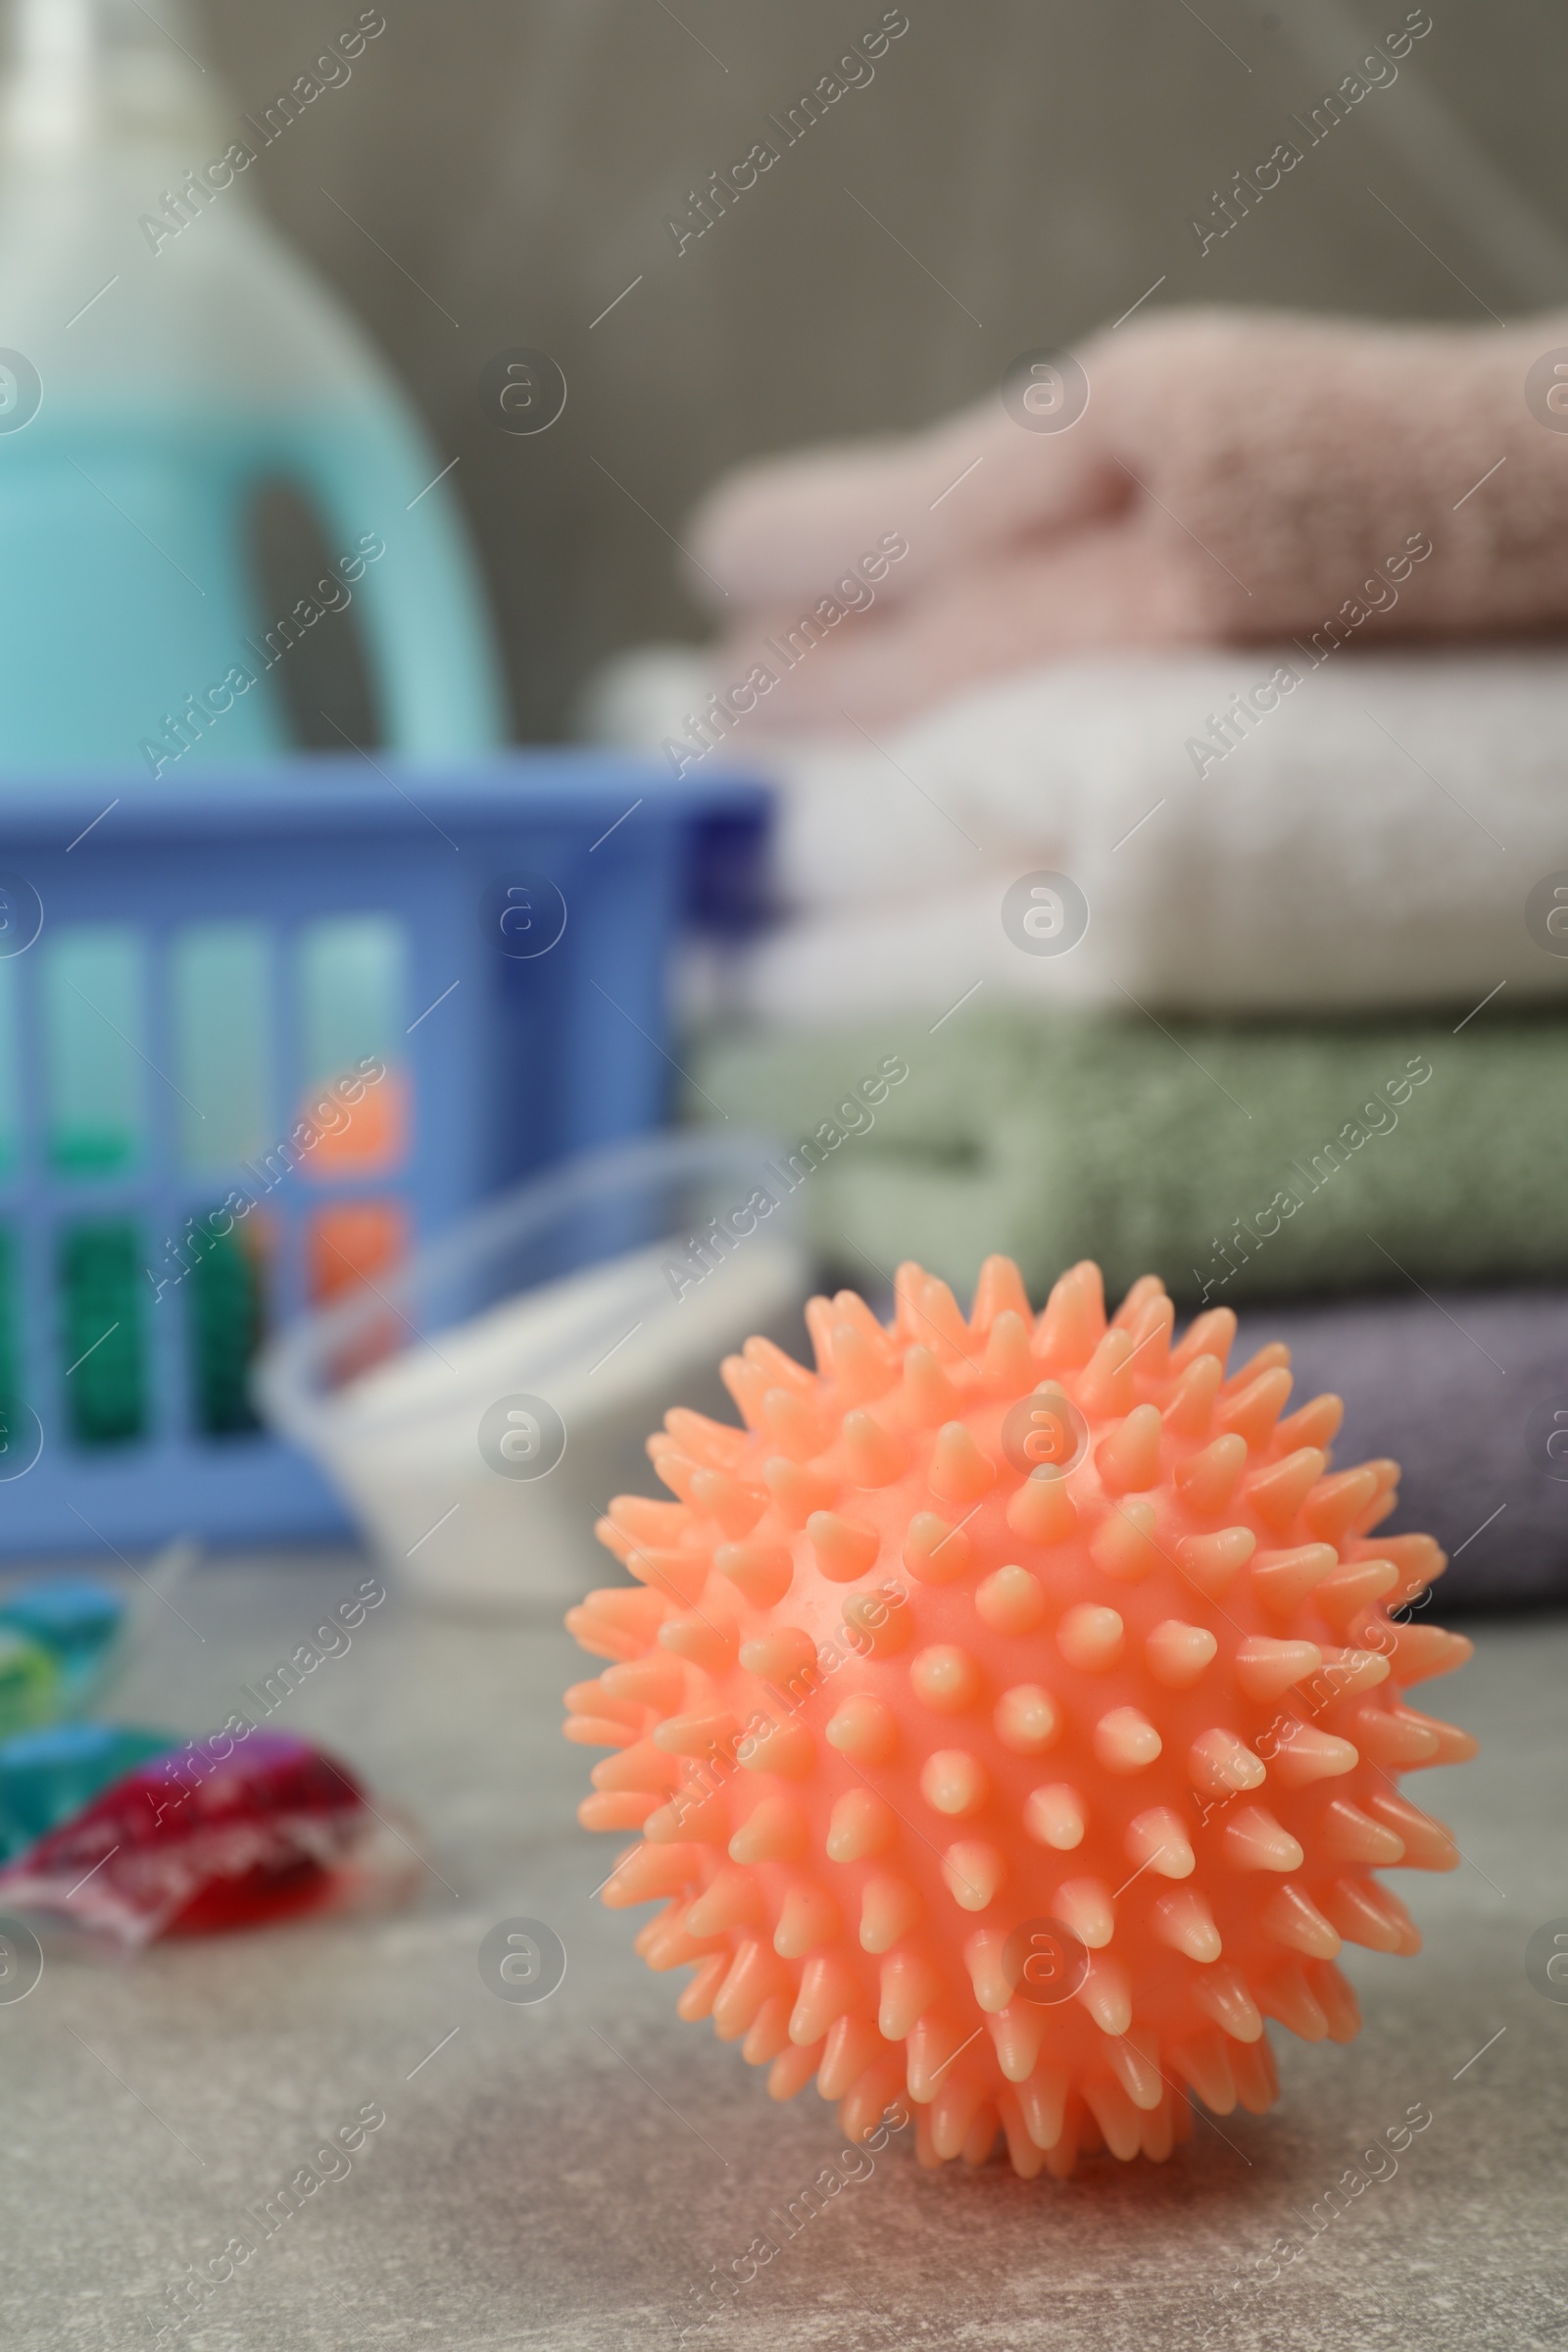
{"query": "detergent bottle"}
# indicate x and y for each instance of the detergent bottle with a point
(164, 358)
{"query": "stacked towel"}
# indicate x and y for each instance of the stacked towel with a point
(1371, 835)
(1058, 1141)
(1195, 477)
(1462, 1390)
(1231, 1160)
(1117, 770)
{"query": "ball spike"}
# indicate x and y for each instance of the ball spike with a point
(1303, 1753)
(1128, 1460)
(910, 1984)
(928, 1395)
(1210, 1334)
(1427, 1843)
(935, 1552)
(1124, 1545)
(818, 1315)
(1219, 1764)
(672, 1468)
(1126, 1742)
(1083, 1906)
(1206, 1481)
(828, 1991)
(946, 1678)
(850, 2048)
(1151, 1332)
(1421, 1651)
(1106, 1385)
(1008, 1367)
(614, 1623)
(1257, 2085)
(791, 2071)
(960, 1473)
(1073, 1322)
(1010, 1601)
(864, 1368)
(1367, 1914)
(793, 1421)
(864, 1730)
(985, 1955)
(779, 1370)
(1281, 1580)
(747, 1387)
(1253, 1413)
(1344, 1598)
(1090, 1639)
(1344, 1834)
(736, 1506)
(873, 1455)
(1000, 1291)
(1278, 1493)
(844, 1548)
(1138, 2074)
(1285, 1994)
(1293, 1920)
(1316, 1424)
(1178, 1653)
(1272, 1356)
(1185, 1921)
(1221, 1994)
(703, 1639)
(1204, 2060)
(1189, 1410)
(1054, 1815)
(786, 1657)
(1332, 1506)
(1040, 1510)
(974, 1872)
(890, 1909)
(1017, 2034)
(1254, 1839)
(1027, 1720)
(953, 1782)
(774, 1830)
(1107, 1996)
(1148, 1291)
(1158, 1840)
(1213, 1562)
(762, 1571)
(862, 1824)
(808, 1921)
(1265, 1667)
(706, 1441)
(797, 1491)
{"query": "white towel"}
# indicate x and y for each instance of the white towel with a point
(1371, 839)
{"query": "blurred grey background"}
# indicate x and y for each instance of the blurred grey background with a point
(1032, 167)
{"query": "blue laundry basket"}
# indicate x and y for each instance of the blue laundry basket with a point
(262, 1036)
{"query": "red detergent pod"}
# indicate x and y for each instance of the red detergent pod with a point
(219, 1833)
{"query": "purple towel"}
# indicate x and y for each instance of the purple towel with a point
(1468, 1392)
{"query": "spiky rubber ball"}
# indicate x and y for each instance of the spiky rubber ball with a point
(1011, 1715)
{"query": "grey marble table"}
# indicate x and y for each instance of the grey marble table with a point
(562, 2175)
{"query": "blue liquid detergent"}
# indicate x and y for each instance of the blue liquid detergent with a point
(134, 634)
(163, 358)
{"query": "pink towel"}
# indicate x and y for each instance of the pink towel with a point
(1235, 477)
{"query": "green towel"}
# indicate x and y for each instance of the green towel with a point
(1229, 1160)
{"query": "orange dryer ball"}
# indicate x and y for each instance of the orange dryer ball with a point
(1011, 1715)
